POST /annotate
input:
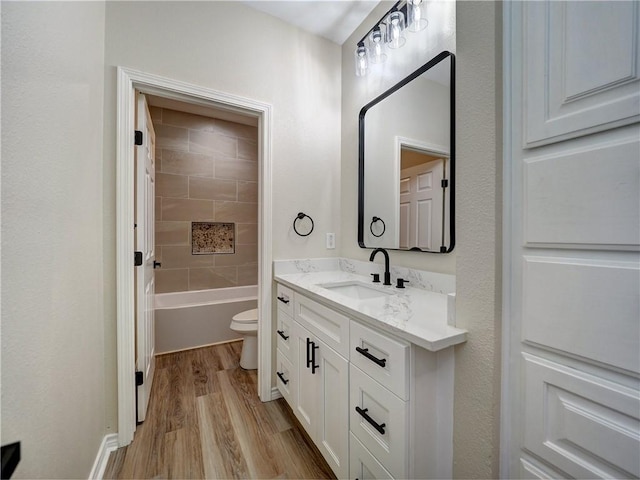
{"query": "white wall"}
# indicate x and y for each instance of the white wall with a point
(53, 397)
(229, 47)
(476, 259)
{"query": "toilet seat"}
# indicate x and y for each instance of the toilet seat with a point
(248, 316)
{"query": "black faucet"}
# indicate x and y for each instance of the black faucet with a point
(387, 274)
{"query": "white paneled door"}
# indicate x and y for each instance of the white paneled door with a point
(571, 401)
(144, 240)
(421, 206)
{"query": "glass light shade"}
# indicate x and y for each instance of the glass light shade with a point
(376, 42)
(416, 20)
(395, 23)
(362, 62)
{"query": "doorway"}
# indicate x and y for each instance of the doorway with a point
(199, 97)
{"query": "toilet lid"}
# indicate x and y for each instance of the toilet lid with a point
(248, 316)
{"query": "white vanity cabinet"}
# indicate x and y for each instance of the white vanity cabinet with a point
(376, 405)
(322, 379)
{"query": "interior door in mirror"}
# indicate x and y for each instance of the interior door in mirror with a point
(406, 162)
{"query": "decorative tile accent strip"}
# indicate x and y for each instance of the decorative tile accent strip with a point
(212, 237)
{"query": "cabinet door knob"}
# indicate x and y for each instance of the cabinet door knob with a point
(283, 300)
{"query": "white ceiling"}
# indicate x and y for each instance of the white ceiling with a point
(332, 19)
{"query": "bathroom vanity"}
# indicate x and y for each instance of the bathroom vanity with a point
(368, 369)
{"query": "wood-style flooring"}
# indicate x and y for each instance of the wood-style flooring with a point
(205, 420)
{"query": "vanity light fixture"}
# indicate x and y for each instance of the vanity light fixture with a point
(362, 61)
(388, 33)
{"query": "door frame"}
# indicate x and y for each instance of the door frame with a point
(128, 80)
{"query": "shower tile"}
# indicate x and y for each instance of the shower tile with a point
(210, 142)
(239, 130)
(212, 189)
(176, 280)
(168, 185)
(205, 278)
(248, 149)
(246, 233)
(181, 257)
(185, 163)
(182, 209)
(248, 192)
(236, 212)
(248, 275)
(171, 137)
(156, 115)
(158, 208)
(158, 253)
(187, 120)
(245, 255)
(233, 168)
(172, 233)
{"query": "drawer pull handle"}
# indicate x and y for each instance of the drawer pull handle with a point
(365, 351)
(282, 378)
(281, 333)
(283, 299)
(311, 356)
(314, 367)
(374, 424)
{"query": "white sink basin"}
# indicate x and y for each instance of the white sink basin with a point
(355, 290)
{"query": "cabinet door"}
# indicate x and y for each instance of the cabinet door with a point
(333, 408)
(306, 387)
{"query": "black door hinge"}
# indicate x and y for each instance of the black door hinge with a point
(444, 183)
(138, 137)
(137, 259)
(139, 379)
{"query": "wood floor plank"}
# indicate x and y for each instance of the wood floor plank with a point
(205, 420)
(181, 455)
(221, 453)
(249, 430)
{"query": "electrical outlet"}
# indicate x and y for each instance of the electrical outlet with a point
(331, 241)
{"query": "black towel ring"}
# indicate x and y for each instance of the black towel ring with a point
(374, 220)
(300, 217)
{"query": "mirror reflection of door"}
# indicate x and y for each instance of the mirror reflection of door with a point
(421, 206)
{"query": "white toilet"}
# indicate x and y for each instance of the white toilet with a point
(246, 323)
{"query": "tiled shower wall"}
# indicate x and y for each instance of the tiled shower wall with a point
(206, 170)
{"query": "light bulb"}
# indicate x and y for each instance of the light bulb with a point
(362, 62)
(396, 25)
(415, 16)
(376, 40)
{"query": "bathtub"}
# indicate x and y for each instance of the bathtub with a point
(194, 319)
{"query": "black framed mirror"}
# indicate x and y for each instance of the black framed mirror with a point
(406, 186)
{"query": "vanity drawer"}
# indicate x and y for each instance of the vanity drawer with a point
(380, 421)
(284, 299)
(284, 377)
(328, 325)
(363, 465)
(383, 358)
(283, 333)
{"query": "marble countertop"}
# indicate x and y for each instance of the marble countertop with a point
(416, 315)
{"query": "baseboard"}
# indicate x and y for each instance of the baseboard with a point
(275, 393)
(108, 445)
